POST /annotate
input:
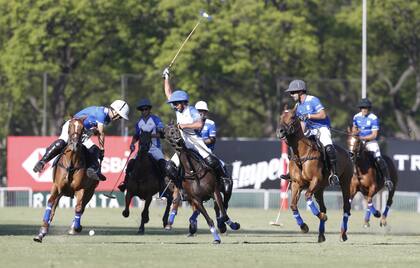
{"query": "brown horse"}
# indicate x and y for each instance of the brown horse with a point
(145, 181)
(367, 178)
(69, 179)
(199, 181)
(308, 171)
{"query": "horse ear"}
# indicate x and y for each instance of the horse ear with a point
(348, 130)
(285, 107)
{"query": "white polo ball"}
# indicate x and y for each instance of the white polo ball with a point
(91, 232)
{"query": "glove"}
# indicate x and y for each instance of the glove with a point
(165, 73)
(101, 155)
(179, 126)
(161, 134)
(132, 147)
(303, 117)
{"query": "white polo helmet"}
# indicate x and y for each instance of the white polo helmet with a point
(121, 107)
(201, 105)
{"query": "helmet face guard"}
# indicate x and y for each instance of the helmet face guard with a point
(121, 108)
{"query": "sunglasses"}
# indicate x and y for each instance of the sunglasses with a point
(144, 109)
(176, 103)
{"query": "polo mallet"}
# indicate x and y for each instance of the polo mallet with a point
(277, 223)
(204, 15)
(111, 195)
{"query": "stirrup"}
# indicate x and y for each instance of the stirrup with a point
(333, 179)
(285, 177)
(93, 174)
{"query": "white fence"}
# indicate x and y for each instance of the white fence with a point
(16, 197)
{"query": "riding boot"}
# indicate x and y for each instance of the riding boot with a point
(171, 170)
(216, 165)
(128, 170)
(385, 172)
(94, 168)
(332, 157)
(52, 151)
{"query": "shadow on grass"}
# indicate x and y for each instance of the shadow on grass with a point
(25, 230)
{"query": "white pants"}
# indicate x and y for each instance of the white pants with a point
(372, 146)
(193, 142)
(323, 134)
(156, 152)
(87, 141)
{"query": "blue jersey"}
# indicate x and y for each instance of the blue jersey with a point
(94, 115)
(366, 123)
(312, 105)
(208, 130)
(151, 124)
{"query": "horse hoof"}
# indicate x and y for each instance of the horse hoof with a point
(321, 238)
(126, 213)
(168, 227)
(190, 235)
(78, 230)
(366, 225)
(71, 231)
(377, 214)
(140, 232)
(304, 228)
(193, 228)
(38, 238)
(222, 228)
(343, 237)
(235, 226)
(383, 223)
(216, 242)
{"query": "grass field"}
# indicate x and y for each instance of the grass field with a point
(257, 244)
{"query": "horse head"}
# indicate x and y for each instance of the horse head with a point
(173, 136)
(75, 132)
(145, 141)
(353, 141)
(289, 123)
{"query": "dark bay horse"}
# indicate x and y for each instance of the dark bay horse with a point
(69, 179)
(199, 181)
(145, 181)
(367, 178)
(308, 171)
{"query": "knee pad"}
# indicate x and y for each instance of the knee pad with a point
(171, 170)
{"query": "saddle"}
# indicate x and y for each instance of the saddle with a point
(379, 175)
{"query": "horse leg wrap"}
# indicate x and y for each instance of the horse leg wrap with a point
(47, 213)
(386, 210)
(345, 221)
(172, 217)
(367, 215)
(298, 217)
(194, 216)
(77, 220)
(313, 207)
(372, 208)
(214, 233)
(321, 226)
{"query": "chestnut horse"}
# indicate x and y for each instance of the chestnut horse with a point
(308, 171)
(69, 179)
(367, 178)
(145, 181)
(199, 181)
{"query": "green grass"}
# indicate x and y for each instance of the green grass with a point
(257, 244)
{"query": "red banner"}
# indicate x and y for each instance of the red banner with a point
(24, 152)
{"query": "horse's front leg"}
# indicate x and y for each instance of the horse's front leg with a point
(193, 221)
(389, 201)
(319, 197)
(314, 187)
(296, 189)
(165, 217)
(199, 205)
(175, 204)
(49, 210)
(76, 226)
(128, 197)
(224, 218)
(144, 215)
